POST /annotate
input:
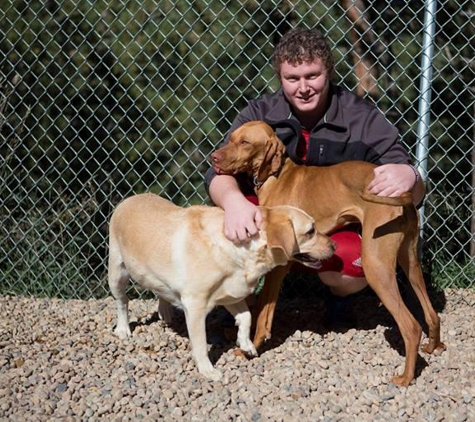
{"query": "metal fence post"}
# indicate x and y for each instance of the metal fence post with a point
(422, 147)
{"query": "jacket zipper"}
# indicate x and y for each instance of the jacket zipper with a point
(320, 154)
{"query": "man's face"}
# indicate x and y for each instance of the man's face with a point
(306, 87)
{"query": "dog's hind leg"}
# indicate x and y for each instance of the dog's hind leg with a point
(241, 313)
(165, 311)
(118, 278)
(195, 314)
(379, 263)
(409, 262)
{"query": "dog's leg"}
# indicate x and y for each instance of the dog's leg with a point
(195, 314)
(165, 311)
(379, 262)
(409, 262)
(263, 312)
(241, 313)
(118, 278)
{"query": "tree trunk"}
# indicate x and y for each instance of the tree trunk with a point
(365, 42)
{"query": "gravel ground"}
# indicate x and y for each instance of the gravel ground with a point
(60, 361)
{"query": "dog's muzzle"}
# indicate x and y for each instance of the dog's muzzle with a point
(308, 260)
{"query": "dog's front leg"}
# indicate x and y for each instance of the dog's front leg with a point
(263, 312)
(195, 313)
(241, 313)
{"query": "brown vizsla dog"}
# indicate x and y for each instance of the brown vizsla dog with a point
(335, 196)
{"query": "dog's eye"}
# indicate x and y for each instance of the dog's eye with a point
(244, 142)
(311, 232)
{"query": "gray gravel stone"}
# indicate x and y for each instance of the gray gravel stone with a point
(59, 360)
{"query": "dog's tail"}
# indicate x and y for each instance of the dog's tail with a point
(404, 199)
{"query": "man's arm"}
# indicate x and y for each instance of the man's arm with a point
(242, 219)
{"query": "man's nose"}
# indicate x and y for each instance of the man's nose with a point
(303, 86)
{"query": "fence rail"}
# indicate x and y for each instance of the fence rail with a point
(100, 100)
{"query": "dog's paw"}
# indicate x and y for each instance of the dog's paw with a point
(211, 373)
(401, 380)
(123, 332)
(434, 347)
(247, 347)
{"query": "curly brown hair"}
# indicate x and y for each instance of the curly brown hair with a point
(300, 45)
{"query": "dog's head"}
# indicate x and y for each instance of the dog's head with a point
(253, 149)
(292, 236)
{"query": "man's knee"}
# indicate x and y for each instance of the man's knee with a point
(347, 257)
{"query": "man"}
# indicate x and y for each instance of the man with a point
(321, 124)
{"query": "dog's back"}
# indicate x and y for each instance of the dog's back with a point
(135, 224)
(155, 241)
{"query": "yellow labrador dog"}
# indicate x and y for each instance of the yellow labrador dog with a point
(183, 255)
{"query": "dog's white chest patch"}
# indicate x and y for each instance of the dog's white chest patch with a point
(179, 259)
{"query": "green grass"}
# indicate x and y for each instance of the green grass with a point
(452, 274)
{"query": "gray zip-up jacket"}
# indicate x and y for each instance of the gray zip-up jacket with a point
(351, 129)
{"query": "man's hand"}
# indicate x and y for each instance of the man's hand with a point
(242, 220)
(392, 180)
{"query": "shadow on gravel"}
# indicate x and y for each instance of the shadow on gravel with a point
(302, 306)
(221, 338)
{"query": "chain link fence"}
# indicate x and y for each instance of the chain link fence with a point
(102, 99)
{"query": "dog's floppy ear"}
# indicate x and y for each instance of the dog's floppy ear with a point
(277, 154)
(280, 235)
(273, 158)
